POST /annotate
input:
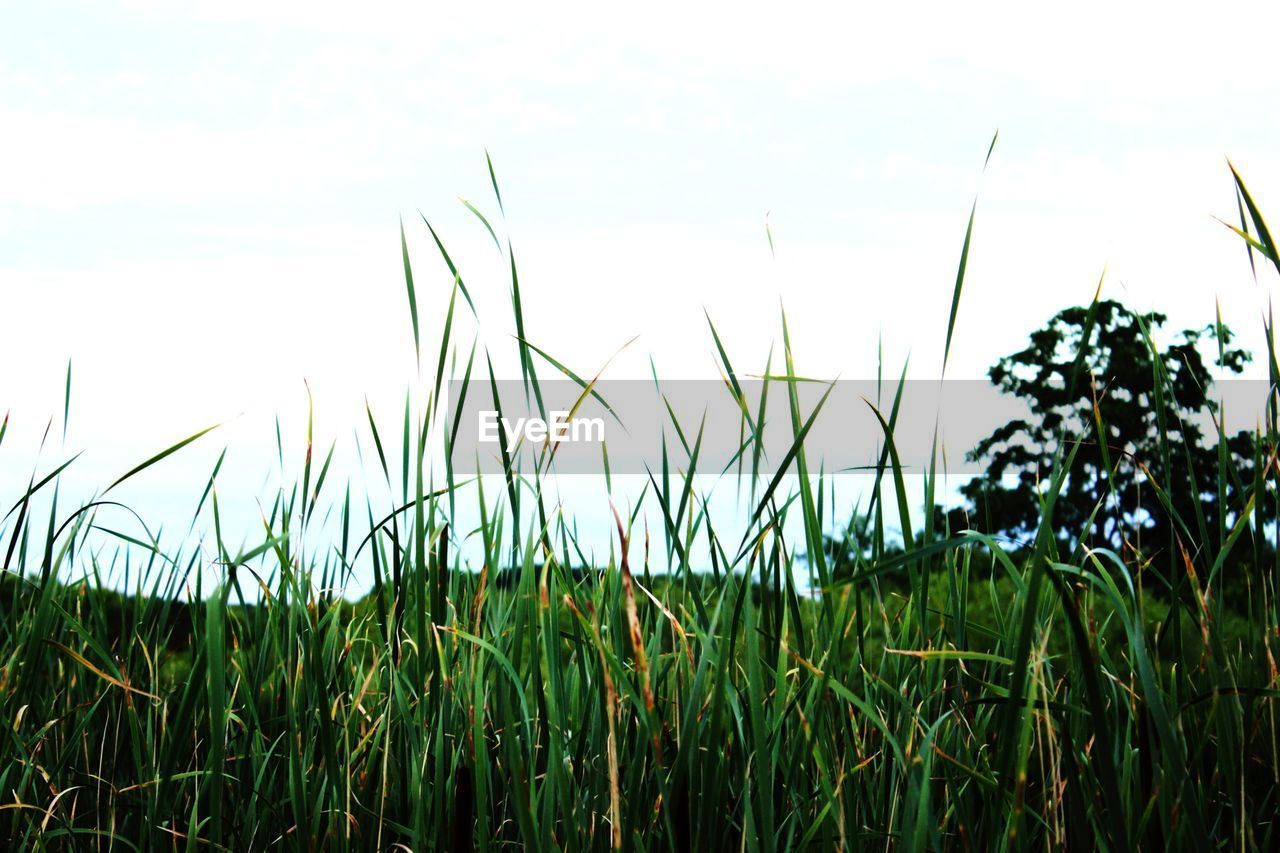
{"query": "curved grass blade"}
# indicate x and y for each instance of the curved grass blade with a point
(161, 455)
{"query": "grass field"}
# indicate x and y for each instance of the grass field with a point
(954, 694)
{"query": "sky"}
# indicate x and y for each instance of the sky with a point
(200, 202)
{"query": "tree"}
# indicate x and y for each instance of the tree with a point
(1140, 414)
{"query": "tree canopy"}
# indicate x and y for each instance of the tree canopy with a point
(1132, 416)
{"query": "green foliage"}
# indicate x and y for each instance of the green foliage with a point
(944, 693)
(1139, 412)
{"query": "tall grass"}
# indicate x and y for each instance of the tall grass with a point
(953, 694)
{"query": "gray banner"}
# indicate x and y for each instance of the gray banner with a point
(630, 423)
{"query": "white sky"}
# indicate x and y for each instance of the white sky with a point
(199, 202)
